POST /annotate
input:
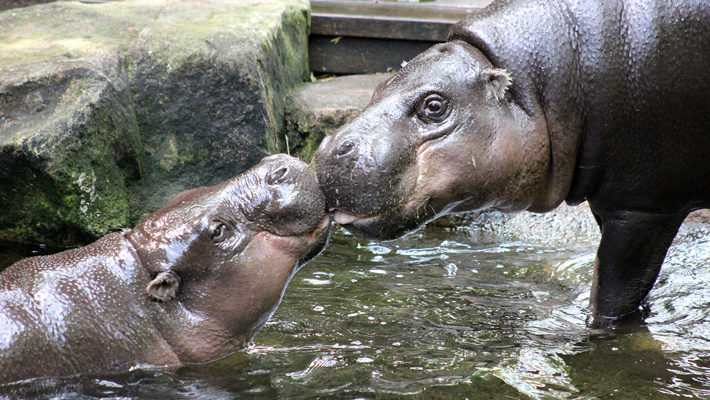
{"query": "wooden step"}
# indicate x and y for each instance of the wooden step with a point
(368, 36)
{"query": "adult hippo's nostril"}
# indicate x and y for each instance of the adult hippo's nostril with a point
(277, 176)
(346, 148)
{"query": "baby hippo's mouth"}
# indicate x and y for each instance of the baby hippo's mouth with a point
(317, 239)
(321, 228)
(310, 237)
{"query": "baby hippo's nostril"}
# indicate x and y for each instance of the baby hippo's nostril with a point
(277, 176)
(346, 148)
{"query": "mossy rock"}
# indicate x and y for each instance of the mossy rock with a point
(317, 109)
(108, 110)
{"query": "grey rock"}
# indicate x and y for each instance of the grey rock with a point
(69, 145)
(317, 109)
(209, 91)
(108, 110)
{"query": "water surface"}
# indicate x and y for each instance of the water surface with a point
(449, 313)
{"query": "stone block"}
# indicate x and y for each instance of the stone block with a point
(317, 109)
(109, 109)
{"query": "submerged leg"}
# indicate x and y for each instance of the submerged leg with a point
(630, 255)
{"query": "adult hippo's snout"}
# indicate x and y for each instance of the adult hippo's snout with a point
(384, 164)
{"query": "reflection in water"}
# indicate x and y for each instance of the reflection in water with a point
(450, 313)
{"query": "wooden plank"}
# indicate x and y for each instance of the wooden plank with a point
(352, 55)
(366, 36)
(380, 27)
(450, 10)
(429, 21)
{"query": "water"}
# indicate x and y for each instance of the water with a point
(449, 313)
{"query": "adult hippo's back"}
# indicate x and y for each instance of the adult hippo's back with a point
(191, 283)
(535, 102)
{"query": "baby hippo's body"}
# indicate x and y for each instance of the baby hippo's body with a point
(190, 284)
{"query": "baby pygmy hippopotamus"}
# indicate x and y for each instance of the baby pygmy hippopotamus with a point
(190, 284)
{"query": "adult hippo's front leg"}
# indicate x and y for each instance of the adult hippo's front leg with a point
(532, 103)
(631, 252)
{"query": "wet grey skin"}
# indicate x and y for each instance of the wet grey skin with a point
(192, 283)
(531, 103)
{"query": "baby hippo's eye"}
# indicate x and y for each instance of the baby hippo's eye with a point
(219, 232)
(434, 108)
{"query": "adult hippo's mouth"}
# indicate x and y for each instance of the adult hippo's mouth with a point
(357, 224)
(344, 218)
(367, 227)
(347, 163)
(389, 224)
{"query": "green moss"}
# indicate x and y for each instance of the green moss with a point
(57, 29)
(308, 147)
(87, 165)
(93, 193)
(70, 180)
(41, 218)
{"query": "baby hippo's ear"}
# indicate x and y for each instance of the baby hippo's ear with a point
(496, 81)
(164, 286)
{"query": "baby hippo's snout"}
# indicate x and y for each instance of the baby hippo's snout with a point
(291, 202)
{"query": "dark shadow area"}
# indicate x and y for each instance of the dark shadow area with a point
(10, 4)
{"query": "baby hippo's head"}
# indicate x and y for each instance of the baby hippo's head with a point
(219, 258)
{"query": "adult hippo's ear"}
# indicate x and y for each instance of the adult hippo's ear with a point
(164, 286)
(496, 81)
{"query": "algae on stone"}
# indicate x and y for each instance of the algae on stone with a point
(209, 85)
(108, 110)
(67, 143)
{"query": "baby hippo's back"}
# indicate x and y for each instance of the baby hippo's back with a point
(76, 312)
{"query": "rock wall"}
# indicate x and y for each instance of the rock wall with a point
(108, 110)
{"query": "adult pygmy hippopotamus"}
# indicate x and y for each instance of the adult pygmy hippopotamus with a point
(535, 102)
(191, 283)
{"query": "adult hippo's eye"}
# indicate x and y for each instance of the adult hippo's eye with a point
(434, 108)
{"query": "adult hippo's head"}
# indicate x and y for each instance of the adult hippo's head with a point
(442, 135)
(220, 257)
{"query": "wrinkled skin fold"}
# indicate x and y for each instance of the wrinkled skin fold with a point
(192, 283)
(531, 103)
